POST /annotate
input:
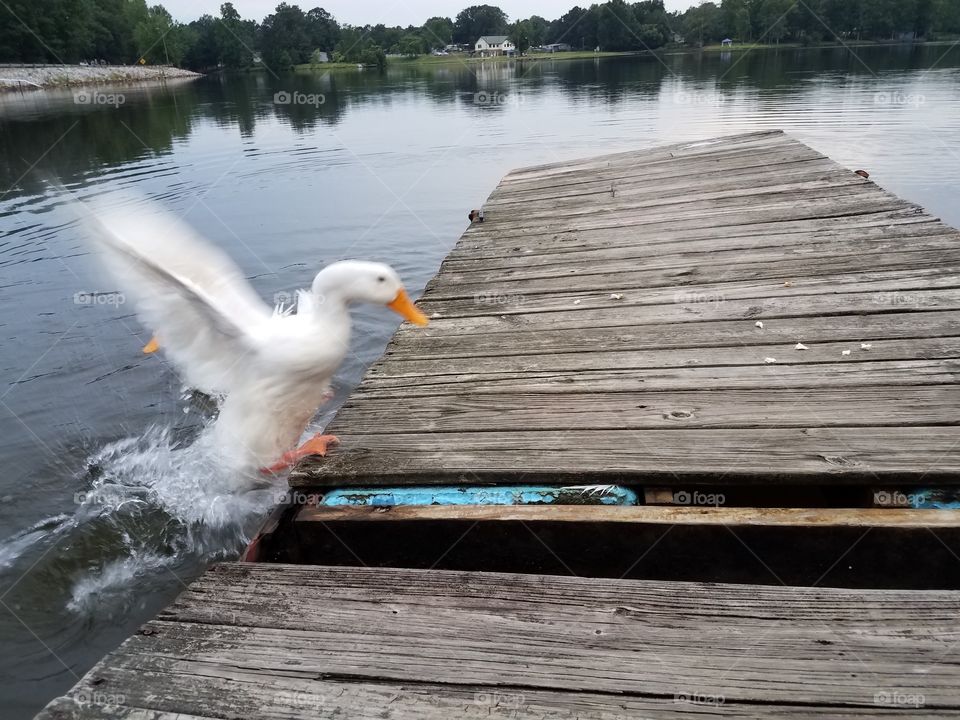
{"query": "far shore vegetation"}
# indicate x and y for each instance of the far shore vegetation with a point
(132, 32)
(533, 56)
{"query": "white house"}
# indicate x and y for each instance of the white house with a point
(494, 45)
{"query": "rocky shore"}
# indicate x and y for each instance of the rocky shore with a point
(26, 77)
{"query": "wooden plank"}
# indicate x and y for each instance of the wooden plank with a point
(429, 371)
(617, 313)
(890, 288)
(771, 153)
(785, 204)
(647, 514)
(761, 167)
(711, 151)
(853, 329)
(693, 271)
(399, 371)
(835, 455)
(835, 407)
(750, 249)
(283, 698)
(759, 375)
(548, 242)
(432, 644)
(642, 192)
(563, 250)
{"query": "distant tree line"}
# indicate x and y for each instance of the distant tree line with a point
(813, 21)
(130, 31)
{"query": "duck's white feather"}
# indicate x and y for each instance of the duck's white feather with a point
(272, 368)
(192, 295)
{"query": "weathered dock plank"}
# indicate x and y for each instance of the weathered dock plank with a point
(602, 324)
(281, 641)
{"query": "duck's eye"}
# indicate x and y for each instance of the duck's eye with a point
(381, 279)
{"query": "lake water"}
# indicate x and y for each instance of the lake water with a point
(101, 523)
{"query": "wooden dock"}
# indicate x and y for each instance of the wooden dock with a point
(739, 319)
(603, 326)
(282, 641)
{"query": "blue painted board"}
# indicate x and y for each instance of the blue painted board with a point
(494, 495)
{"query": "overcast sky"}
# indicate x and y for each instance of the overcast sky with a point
(389, 12)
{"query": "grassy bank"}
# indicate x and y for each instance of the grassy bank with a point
(324, 67)
(463, 59)
(743, 47)
(460, 59)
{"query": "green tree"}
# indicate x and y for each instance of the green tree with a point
(478, 20)
(159, 39)
(537, 28)
(946, 16)
(323, 29)
(410, 45)
(356, 46)
(773, 19)
(702, 24)
(617, 28)
(234, 38)
(438, 31)
(285, 38)
(204, 51)
(520, 37)
(736, 19)
(578, 27)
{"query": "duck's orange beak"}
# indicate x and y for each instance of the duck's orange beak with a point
(403, 305)
(152, 346)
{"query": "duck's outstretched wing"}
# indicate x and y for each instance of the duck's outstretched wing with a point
(207, 318)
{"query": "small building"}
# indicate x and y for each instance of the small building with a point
(490, 45)
(726, 42)
(557, 47)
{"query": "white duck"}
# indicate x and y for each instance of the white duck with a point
(271, 367)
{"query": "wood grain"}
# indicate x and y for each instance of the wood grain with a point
(602, 325)
(282, 641)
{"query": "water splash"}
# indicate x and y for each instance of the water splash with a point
(150, 508)
(16, 545)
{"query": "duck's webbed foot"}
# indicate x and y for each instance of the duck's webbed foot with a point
(317, 445)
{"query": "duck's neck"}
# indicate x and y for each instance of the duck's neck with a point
(330, 295)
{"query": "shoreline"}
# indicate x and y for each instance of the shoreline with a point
(463, 59)
(42, 77)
